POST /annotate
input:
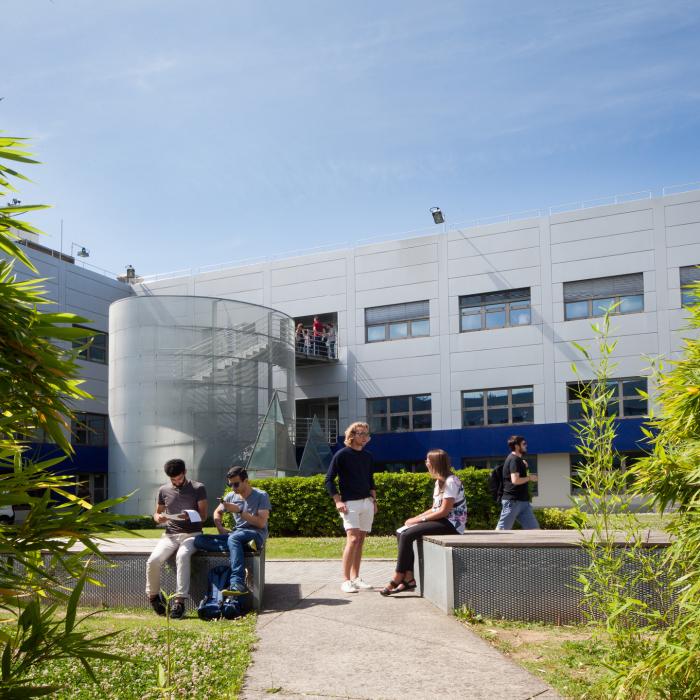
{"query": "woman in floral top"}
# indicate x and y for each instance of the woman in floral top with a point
(448, 516)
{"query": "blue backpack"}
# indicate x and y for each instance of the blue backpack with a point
(214, 606)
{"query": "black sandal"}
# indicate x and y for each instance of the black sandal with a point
(391, 588)
(406, 586)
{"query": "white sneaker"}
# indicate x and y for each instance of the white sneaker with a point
(362, 585)
(348, 587)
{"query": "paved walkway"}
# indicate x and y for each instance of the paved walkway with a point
(316, 642)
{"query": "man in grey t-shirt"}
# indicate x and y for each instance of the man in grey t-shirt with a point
(251, 509)
(173, 499)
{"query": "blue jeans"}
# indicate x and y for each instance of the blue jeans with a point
(236, 544)
(510, 512)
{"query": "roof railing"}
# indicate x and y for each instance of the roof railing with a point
(418, 233)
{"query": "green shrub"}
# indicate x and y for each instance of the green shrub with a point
(555, 518)
(302, 507)
(137, 522)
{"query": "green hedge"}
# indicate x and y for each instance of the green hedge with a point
(301, 506)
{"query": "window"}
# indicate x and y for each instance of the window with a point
(625, 401)
(621, 461)
(398, 414)
(498, 406)
(96, 350)
(89, 429)
(689, 275)
(480, 312)
(591, 298)
(397, 321)
(492, 462)
(92, 487)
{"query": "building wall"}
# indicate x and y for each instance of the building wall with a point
(653, 236)
(81, 291)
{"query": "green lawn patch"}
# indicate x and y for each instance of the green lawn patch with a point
(380, 547)
(568, 657)
(206, 656)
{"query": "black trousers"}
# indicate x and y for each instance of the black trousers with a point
(406, 539)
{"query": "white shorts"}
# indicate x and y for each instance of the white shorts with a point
(359, 516)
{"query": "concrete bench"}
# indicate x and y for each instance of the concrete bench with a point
(124, 575)
(527, 575)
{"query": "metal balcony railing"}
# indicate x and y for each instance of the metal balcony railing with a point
(329, 428)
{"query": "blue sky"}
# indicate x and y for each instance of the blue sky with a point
(183, 134)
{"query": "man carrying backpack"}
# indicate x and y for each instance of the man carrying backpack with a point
(251, 509)
(515, 502)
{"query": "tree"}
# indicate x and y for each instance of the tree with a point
(671, 476)
(38, 380)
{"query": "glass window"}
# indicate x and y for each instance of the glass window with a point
(397, 321)
(399, 404)
(377, 424)
(592, 298)
(624, 400)
(688, 276)
(376, 333)
(89, 429)
(495, 316)
(602, 306)
(420, 328)
(576, 309)
(96, 349)
(497, 397)
(376, 406)
(494, 310)
(632, 304)
(498, 416)
(471, 320)
(422, 402)
(399, 413)
(398, 331)
(473, 399)
(498, 406)
(520, 314)
(400, 424)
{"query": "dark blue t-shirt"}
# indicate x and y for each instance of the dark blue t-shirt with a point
(355, 472)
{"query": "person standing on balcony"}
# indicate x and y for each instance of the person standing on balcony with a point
(318, 335)
(330, 339)
(173, 499)
(355, 500)
(515, 504)
(299, 335)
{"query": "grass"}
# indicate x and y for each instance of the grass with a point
(303, 547)
(205, 656)
(568, 657)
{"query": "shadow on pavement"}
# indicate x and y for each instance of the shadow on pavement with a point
(280, 597)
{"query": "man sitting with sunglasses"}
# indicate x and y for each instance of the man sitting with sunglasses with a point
(251, 509)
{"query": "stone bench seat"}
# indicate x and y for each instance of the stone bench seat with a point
(124, 574)
(527, 575)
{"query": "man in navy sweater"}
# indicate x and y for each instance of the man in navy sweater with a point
(355, 500)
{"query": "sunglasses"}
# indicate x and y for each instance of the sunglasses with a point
(361, 434)
(234, 484)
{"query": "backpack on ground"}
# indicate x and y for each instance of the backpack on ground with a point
(213, 606)
(496, 483)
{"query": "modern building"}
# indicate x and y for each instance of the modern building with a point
(88, 294)
(459, 338)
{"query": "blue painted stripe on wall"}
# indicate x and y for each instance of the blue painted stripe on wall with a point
(543, 438)
(87, 458)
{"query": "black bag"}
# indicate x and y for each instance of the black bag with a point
(496, 483)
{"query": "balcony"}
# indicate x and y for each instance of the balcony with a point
(313, 347)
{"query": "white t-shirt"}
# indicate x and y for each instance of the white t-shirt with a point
(452, 489)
